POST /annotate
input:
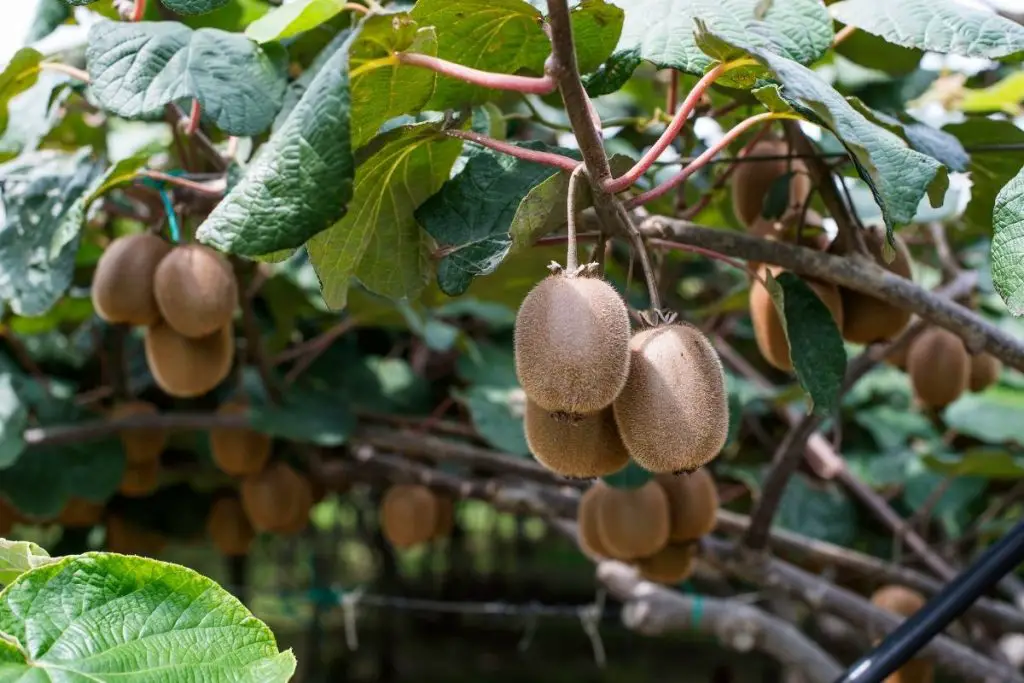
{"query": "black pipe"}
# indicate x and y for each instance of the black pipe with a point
(913, 634)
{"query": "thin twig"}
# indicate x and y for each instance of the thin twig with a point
(548, 158)
(535, 85)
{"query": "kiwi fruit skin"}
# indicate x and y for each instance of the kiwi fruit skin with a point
(229, 528)
(753, 179)
(589, 536)
(867, 319)
(985, 369)
(445, 517)
(408, 515)
(239, 452)
(633, 523)
(904, 602)
(140, 480)
(768, 330)
(195, 290)
(128, 539)
(582, 448)
(141, 446)
(272, 498)
(939, 367)
(671, 565)
(572, 344)
(692, 504)
(184, 367)
(80, 513)
(122, 286)
(673, 413)
(299, 520)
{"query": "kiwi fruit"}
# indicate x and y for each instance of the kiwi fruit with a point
(272, 498)
(140, 480)
(122, 286)
(186, 367)
(582, 448)
(633, 523)
(228, 527)
(670, 565)
(238, 452)
(445, 517)
(408, 515)
(768, 330)
(898, 358)
(985, 369)
(586, 520)
(572, 344)
(673, 413)
(195, 290)
(79, 512)
(304, 503)
(867, 319)
(130, 539)
(939, 367)
(692, 504)
(904, 602)
(752, 181)
(141, 446)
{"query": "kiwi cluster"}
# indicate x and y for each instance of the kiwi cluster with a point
(184, 296)
(655, 527)
(599, 394)
(413, 514)
(941, 369)
(904, 602)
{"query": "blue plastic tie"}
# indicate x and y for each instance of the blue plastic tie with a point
(172, 219)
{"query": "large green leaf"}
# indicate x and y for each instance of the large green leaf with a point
(991, 169)
(614, 73)
(307, 415)
(379, 241)
(823, 512)
(936, 143)
(1008, 244)
(297, 88)
(596, 29)
(44, 197)
(663, 30)
(49, 15)
(878, 54)
(137, 68)
(190, 7)
(992, 416)
(35, 113)
(13, 420)
(292, 19)
(936, 25)
(300, 182)
(19, 75)
(104, 617)
(990, 463)
(18, 557)
(1006, 96)
(497, 414)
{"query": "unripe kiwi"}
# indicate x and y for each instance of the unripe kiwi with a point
(572, 344)
(445, 517)
(238, 452)
(408, 515)
(904, 602)
(865, 318)
(140, 480)
(228, 527)
(939, 367)
(582, 448)
(692, 504)
(141, 446)
(587, 520)
(195, 290)
(768, 330)
(985, 369)
(753, 179)
(122, 286)
(129, 539)
(79, 512)
(185, 367)
(673, 414)
(672, 564)
(272, 498)
(304, 503)
(633, 523)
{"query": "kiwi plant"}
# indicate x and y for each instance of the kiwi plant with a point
(409, 515)
(939, 367)
(672, 564)
(274, 498)
(122, 286)
(186, 367)
(195, 290)
(633, 522)
(985, 369)
(904, 602)
(692, 504)
(587, 519)
(141, 446)
(228, 526)
(584, 448)
(238, 452)
(867, 319)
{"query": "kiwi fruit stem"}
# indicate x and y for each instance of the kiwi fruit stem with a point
(641, 250)
(571, 262)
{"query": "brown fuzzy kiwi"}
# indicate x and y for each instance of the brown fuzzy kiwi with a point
(985, 369)
(122, 286)
(673, 413)
(586, 520)
(768, 330)
(692, 504)
(572, 344)
(408, 515)
(141, 446)
(633, 523)
(195, 290)
(228, 527)
(904, 602)
(672, 564)
(752, 180)
(185, 367)
(582, 448)
(79, 512)
(272, 498)
(238, 452)
(865, 318)
(445, 517)
(939, 367)
(140, 480)
(898, 358)
(300, 518)
(128, 538)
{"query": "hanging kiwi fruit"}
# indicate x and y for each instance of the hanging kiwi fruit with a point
(228, 527)
(587, 520)
(985, 369)
(584, 448)
(633, 522)
(80, 513)
(692, 504)
(141, 480)
(445, 517)
(671, 565)
(867, 319)
(753, 180)
(129, 538)
(904, 602)
(122, 285)
(299, 520)
(141, 446)
(186, 367)
(939, 367)
(272, 498)
(238, 452)
(408, 515)
(195, 290)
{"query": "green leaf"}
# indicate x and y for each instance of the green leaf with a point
(283, 199)
(876, 53)
(815, 344)
(497, 414)
(470, 217)
(493, 365)
(1006, 96)
(937, 25)
(663, 30)
(19, 75)
(823, 512)
(632, 476)
(938, 144)
(1008, 244)
(596, 27)
(13, 420)
(990, 169)
(137, 68)
(992, 416)
(979, 462)
(191, 7)
(613, 74)
(49, 15)
(18, 557)
(502, 36)
(306, 415)
(297, 88)
(292, 19)
(379, 241)
(45, 196)
(104, 617)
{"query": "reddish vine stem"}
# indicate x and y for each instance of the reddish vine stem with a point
(204, 189)
(139, 10)
(194, 117)
(546, 158)
(535, 85)
(72, 71)
(361, 9)
(709, 253)
(724, 177)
